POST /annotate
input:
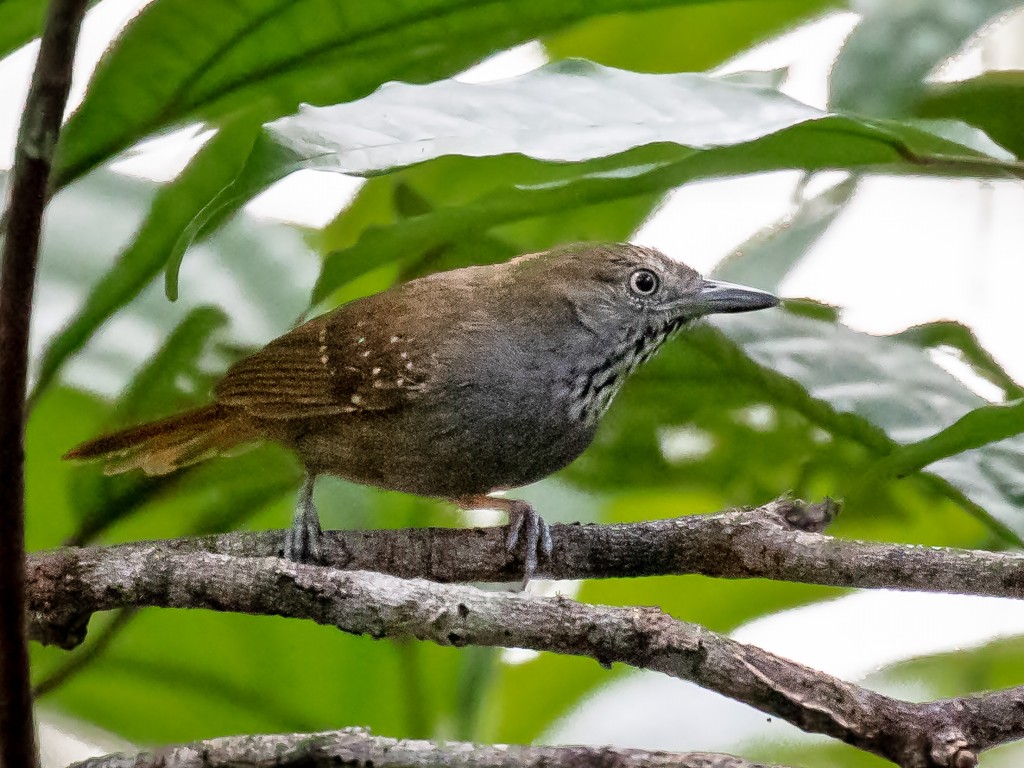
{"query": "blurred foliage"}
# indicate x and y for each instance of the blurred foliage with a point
(735, 412)
(973, 100)
(20, 22)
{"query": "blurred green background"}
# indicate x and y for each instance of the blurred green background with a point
(759, 170)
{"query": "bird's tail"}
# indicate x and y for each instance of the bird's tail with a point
(163, 446)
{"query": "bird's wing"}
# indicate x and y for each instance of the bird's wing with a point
(335, 364)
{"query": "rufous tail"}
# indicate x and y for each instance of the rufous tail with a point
(163, 446)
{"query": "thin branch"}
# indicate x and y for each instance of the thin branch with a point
(780, 540)
(66, 591)
(37, 138)
(356, 746)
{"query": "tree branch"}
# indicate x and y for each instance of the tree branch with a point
(357, 746)
(37, 138)
(66, 590)
(780, 540)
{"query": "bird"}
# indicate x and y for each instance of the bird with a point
(459, 385)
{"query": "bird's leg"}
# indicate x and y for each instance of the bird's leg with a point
(302, 542)
(526, 529)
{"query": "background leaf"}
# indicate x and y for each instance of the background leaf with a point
(882, 67)
(993, 101)
(177, 62)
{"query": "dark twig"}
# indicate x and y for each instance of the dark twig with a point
(780, 540)
(355, 746)
(37, 138)
(951, 734)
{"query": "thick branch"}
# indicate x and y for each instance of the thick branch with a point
(355, 746)
(780, 540)
(37, 137)
(66, 591)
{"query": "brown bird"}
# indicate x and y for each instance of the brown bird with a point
(453, 386)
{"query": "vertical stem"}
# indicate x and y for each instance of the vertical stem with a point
(37, 137)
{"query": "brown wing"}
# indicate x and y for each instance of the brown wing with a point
(344, 362)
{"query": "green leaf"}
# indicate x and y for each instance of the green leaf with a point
(882, 67)
(689, 38)
(951, 336)
(766, 258)
(570, 112)
(993, 101)
(878, 391)
(178, 61)
(20, 22)
(702, 126)
(174, 206)
(975, 429)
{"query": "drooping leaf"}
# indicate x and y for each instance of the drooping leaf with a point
(882, 67)
(949, 335)
(766, 258)
(993, 101)
(173, 207)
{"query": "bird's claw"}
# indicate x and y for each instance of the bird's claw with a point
(525, 523)
(302, 542)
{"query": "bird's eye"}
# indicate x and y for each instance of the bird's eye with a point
(643, 282)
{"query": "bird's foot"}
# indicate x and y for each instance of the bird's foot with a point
(526, 525)
(302, 542)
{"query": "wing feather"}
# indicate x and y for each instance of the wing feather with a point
(342, 363)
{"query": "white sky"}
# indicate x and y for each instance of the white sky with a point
(906, 251)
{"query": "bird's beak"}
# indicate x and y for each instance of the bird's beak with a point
(715, 297)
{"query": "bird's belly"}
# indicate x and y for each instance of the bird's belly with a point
(430, 452)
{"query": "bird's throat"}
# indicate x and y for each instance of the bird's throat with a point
(595, 388)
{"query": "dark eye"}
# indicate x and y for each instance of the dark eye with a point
(643, 282)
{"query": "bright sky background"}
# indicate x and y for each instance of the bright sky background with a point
(898, 256)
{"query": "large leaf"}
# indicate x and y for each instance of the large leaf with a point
(568, 112)
(993, 101)
(179, 61)
(690, 38)
(880, 392)
(882, 67)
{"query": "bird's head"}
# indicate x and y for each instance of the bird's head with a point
(619, 288)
